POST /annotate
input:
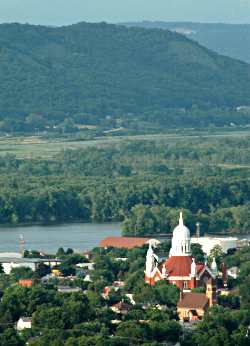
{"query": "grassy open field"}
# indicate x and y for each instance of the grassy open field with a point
(38, 147)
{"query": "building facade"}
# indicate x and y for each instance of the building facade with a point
(179, 268)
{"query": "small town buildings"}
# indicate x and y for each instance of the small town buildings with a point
(116, 286)
(25, 282)
(89, 266)
(56, 272)
(180, 268)
(121, 308)
(87, 278)
(24, 323)
(130, 296)
(87, 255)
(120, 259)
(68, 289)
(9, 263)
(127, 242)
(208, 243)
(241, 243)
(192, 306)
(116, 322)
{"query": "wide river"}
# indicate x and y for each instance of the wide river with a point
(78, 236)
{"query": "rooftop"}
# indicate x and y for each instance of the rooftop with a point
(124, 242)
(26, 319)
(193, 300)
(179, 265)
(68, 289)
(27, 260)
(122, 306)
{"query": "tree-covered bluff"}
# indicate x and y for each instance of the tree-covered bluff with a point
(227, 39)
(88, 72)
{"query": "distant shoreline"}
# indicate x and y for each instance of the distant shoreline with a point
(55, 223)
(166, 236)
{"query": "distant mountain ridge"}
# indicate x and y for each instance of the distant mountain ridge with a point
(232, 40)
(91, 71)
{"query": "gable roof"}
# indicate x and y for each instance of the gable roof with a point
(193, 300)
(205, 269)
(179, 265)
(25, 319)
(124, 242)
(122, 306)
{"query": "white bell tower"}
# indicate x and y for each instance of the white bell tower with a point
(151, 261)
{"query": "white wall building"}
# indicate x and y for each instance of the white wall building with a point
(8, 265)
(24, 323)
(208, 243)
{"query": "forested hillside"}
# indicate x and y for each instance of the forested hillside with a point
(89, 72)
(228, 39)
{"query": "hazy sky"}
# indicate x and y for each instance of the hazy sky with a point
(59, 12)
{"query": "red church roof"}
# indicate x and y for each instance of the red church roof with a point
(179, 265)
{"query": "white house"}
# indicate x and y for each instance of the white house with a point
(24, 323)
(87, 278)
(88, 266)
(68, 289)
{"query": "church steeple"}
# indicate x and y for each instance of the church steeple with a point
(181, 223)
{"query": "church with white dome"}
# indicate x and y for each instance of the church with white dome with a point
(181, 241)
(179, 268)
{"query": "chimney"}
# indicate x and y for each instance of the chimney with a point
(224, 273)
(181, 294)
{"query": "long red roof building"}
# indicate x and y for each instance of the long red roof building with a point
(126, 242)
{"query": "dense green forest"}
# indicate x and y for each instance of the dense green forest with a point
(143, 183)
(228, 39)
(56, 76)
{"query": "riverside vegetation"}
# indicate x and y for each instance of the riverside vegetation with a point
(141, 183)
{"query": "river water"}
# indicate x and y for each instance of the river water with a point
(78, 236)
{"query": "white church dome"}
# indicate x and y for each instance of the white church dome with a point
(181, 231)
(181, 240)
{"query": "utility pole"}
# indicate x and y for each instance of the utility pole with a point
(21, 244)
(198, 230)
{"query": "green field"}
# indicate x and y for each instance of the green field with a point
(30, 147)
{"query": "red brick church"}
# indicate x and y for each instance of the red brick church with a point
(180, 268)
